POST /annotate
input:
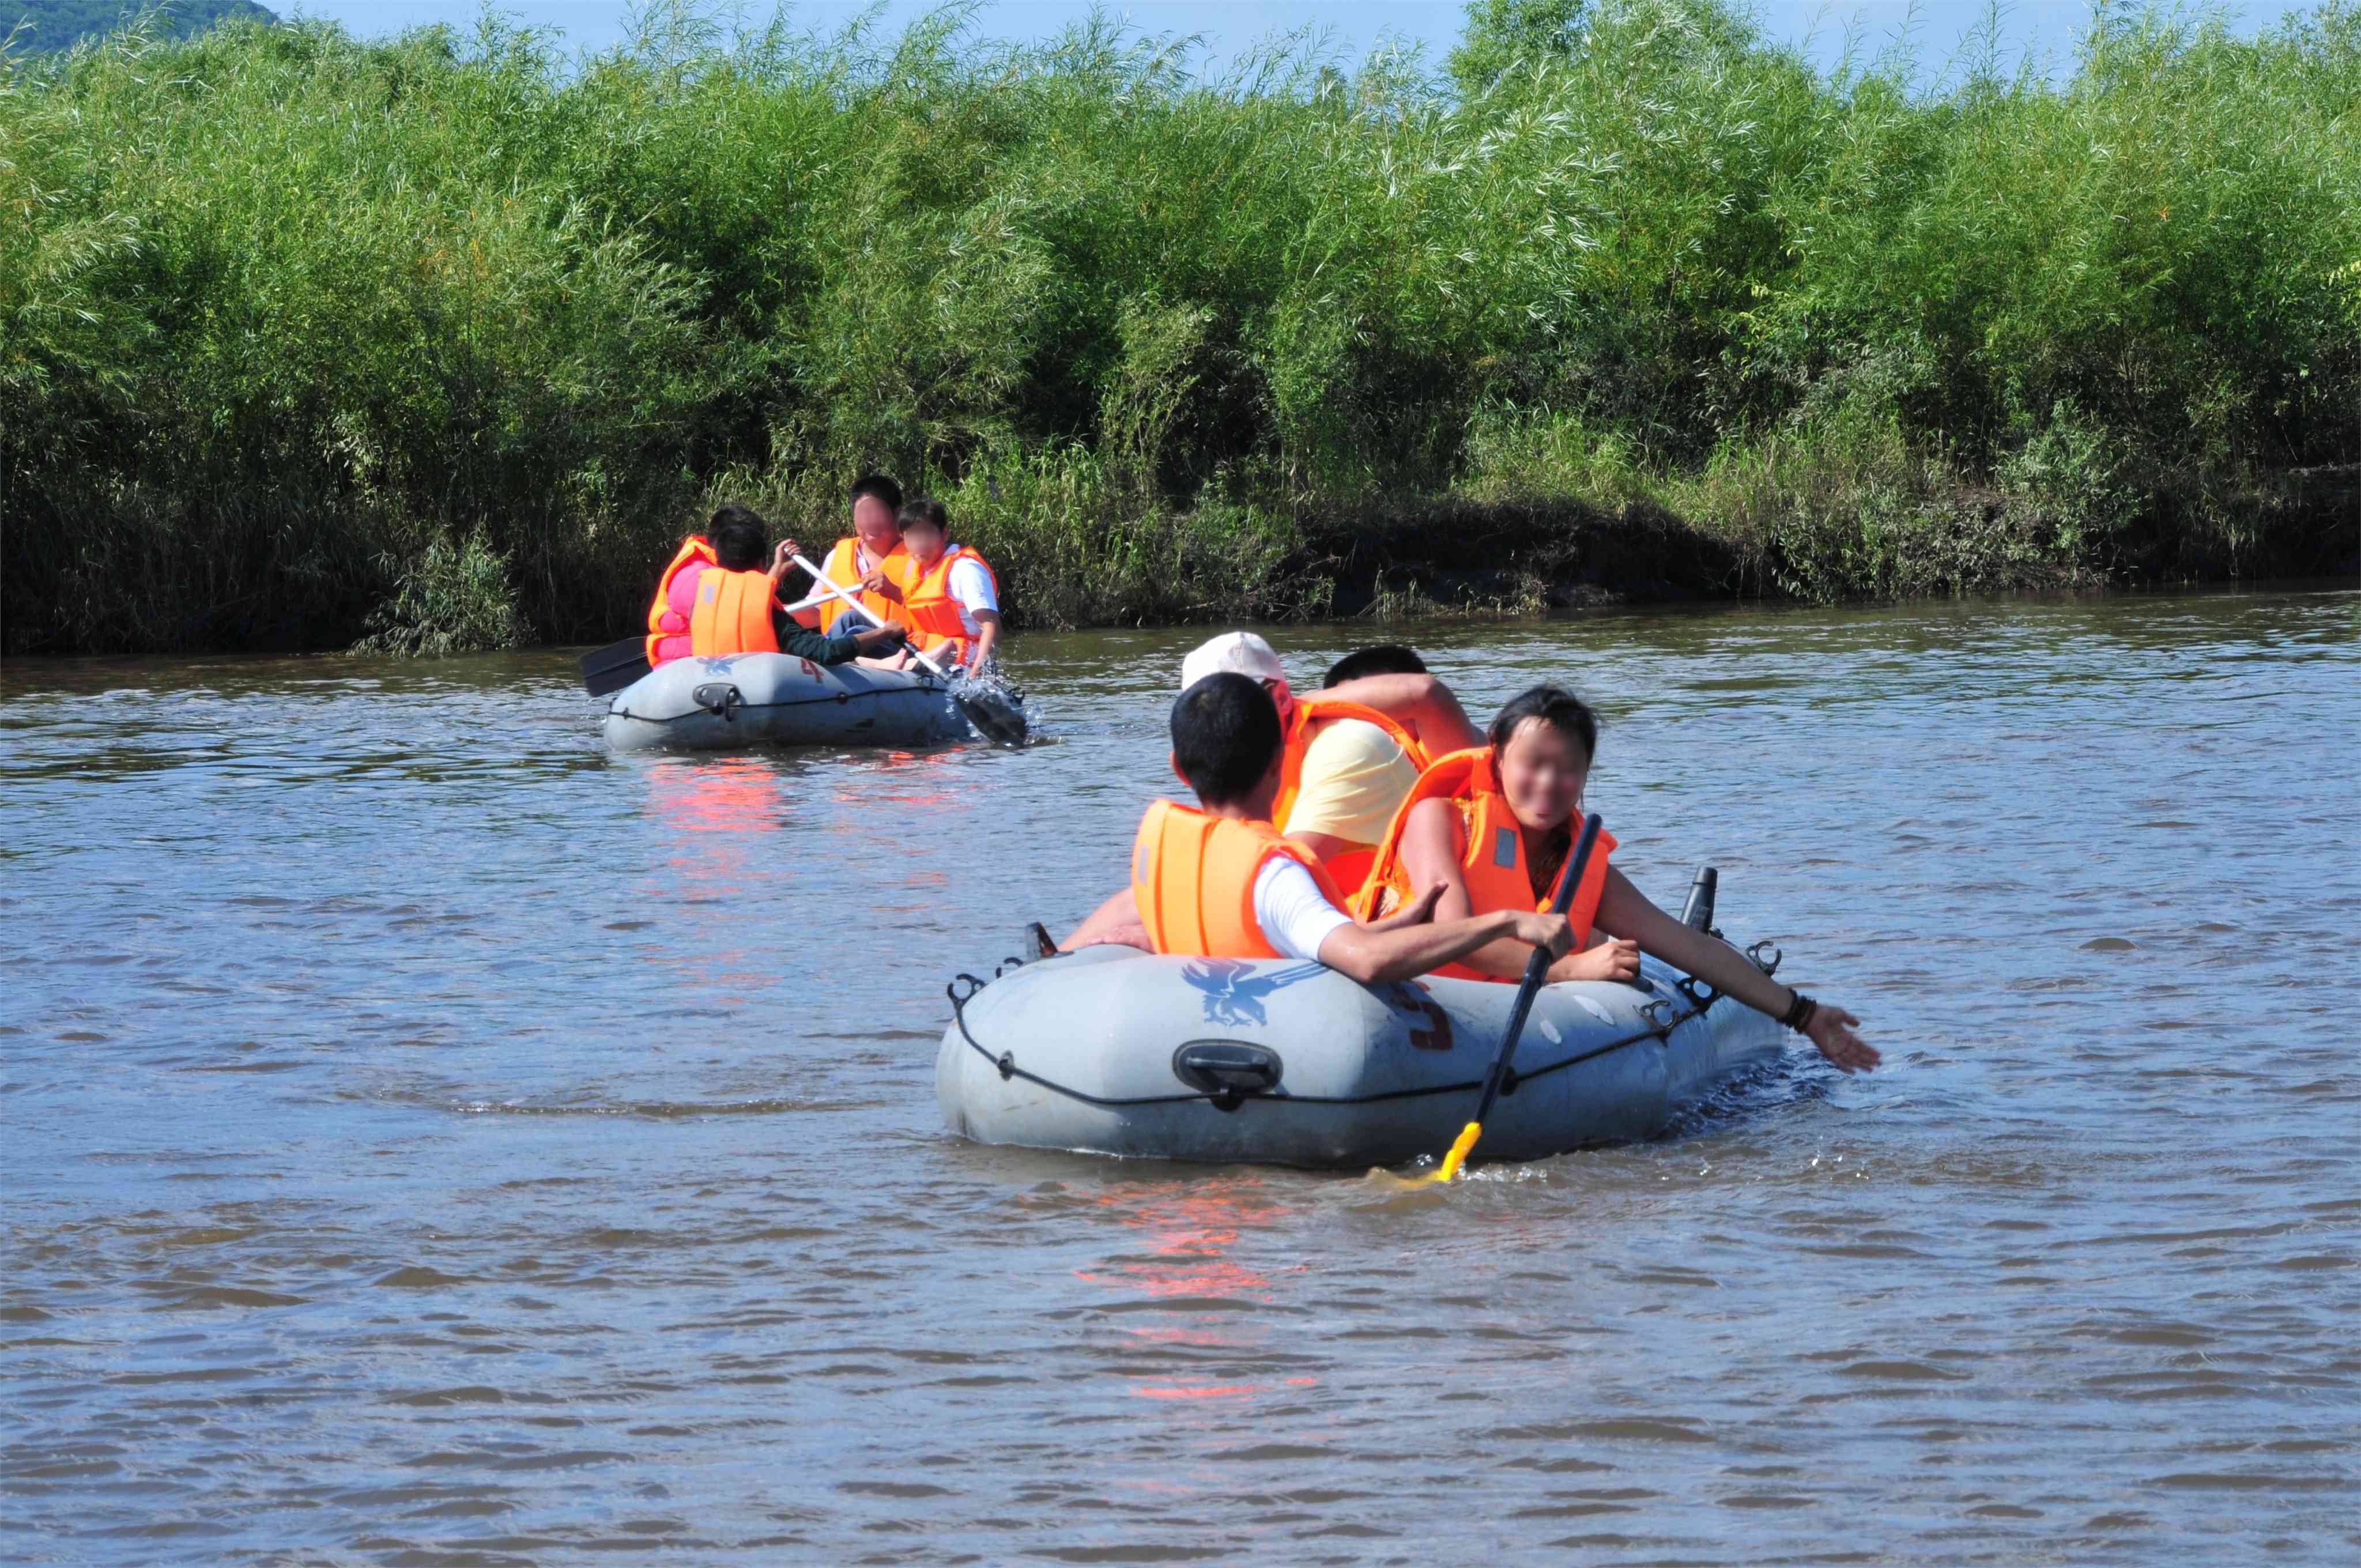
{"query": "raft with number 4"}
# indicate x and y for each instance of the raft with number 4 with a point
(1111, 1050)
(751, 700)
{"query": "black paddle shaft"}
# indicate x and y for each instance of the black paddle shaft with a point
(615, 666)
(1537, 967)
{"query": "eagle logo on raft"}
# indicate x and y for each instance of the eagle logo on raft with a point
(1234, 997)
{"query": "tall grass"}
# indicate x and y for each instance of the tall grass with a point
(443, 340)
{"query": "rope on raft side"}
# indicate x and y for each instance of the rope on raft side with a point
(1005, 1062)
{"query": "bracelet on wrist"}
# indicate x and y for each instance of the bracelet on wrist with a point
(1798, 1015)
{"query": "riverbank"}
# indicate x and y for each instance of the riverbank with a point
(440, 343)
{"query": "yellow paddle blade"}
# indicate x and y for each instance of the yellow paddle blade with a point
(1460, 1150)
(1443, 1172)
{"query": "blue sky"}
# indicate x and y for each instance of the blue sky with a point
(1353, 27)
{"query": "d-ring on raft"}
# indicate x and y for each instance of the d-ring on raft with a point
(1109, 1050)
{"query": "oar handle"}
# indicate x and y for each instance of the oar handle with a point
(1537, 967)
(834, 591)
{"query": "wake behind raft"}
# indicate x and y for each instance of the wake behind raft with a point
(1109, 1050)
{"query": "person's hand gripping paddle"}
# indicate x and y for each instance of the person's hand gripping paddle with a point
(1536, 971)
(999, 720)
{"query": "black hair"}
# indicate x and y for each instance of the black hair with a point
(884, 490)
(1384, 659)
(1554, 705)
(927, 511)
(740, 539)
(1224, 737)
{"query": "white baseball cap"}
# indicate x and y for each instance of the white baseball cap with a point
(1240, 651)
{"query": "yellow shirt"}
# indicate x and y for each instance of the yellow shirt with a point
(1355, 778)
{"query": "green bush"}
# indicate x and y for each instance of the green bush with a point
(285, 311)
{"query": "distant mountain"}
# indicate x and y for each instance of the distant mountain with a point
(58, 24)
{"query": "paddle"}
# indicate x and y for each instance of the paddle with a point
(1000, 720)
(615, 666)
(1536, 971)
(618, 664)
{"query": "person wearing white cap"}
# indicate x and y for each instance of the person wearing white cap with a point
(1353, 750)
(1352, 754)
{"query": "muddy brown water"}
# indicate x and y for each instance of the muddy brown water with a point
(430, 1139)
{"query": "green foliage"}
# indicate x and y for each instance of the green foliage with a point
(454, 598)
(61, 23)
(1505, 34)
(303, 338)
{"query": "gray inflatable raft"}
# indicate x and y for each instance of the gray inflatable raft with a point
(754, 700)
(1109, 1050)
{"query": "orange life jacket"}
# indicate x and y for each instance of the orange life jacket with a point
(732, 614)
(1192, 876)
(1349, 866)
(929, 611)
(695, 550)
(842, 567)
(1492, 857)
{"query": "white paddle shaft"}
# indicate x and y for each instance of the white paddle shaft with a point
(834, 591)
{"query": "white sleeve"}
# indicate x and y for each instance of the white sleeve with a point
(1294, 915)
(971, 586)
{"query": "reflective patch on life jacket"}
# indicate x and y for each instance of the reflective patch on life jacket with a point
(1504, 847)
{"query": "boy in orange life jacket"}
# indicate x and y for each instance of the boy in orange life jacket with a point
(732, 606)
(1221, 883)
(1351, 756)
(950, 597)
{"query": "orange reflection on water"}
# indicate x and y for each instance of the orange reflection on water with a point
(1193, 1231)
(1216, 1390)
(720, 816)
(737, 794)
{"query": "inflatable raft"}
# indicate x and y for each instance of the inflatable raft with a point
(1109, 1050)
(749, 699)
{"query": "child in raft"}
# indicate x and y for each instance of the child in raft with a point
(1492, 825)
(717, 598)
(1218, 881)
(949, 597)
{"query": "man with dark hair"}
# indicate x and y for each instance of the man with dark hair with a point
(1381, 659)
(718, 598)
(1349, 757)
(1220, 881)
(869, 561)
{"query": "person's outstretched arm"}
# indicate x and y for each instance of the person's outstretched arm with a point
(1626, 911)
(987, 637)
(1374, 957)
(1420, 702)
(850, 640)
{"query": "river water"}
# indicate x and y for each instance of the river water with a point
(430, 1139)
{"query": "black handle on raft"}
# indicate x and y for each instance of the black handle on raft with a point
(1229, 1070)
(1698, 913)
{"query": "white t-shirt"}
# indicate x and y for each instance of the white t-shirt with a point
(1294, 915)
(971, 585)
